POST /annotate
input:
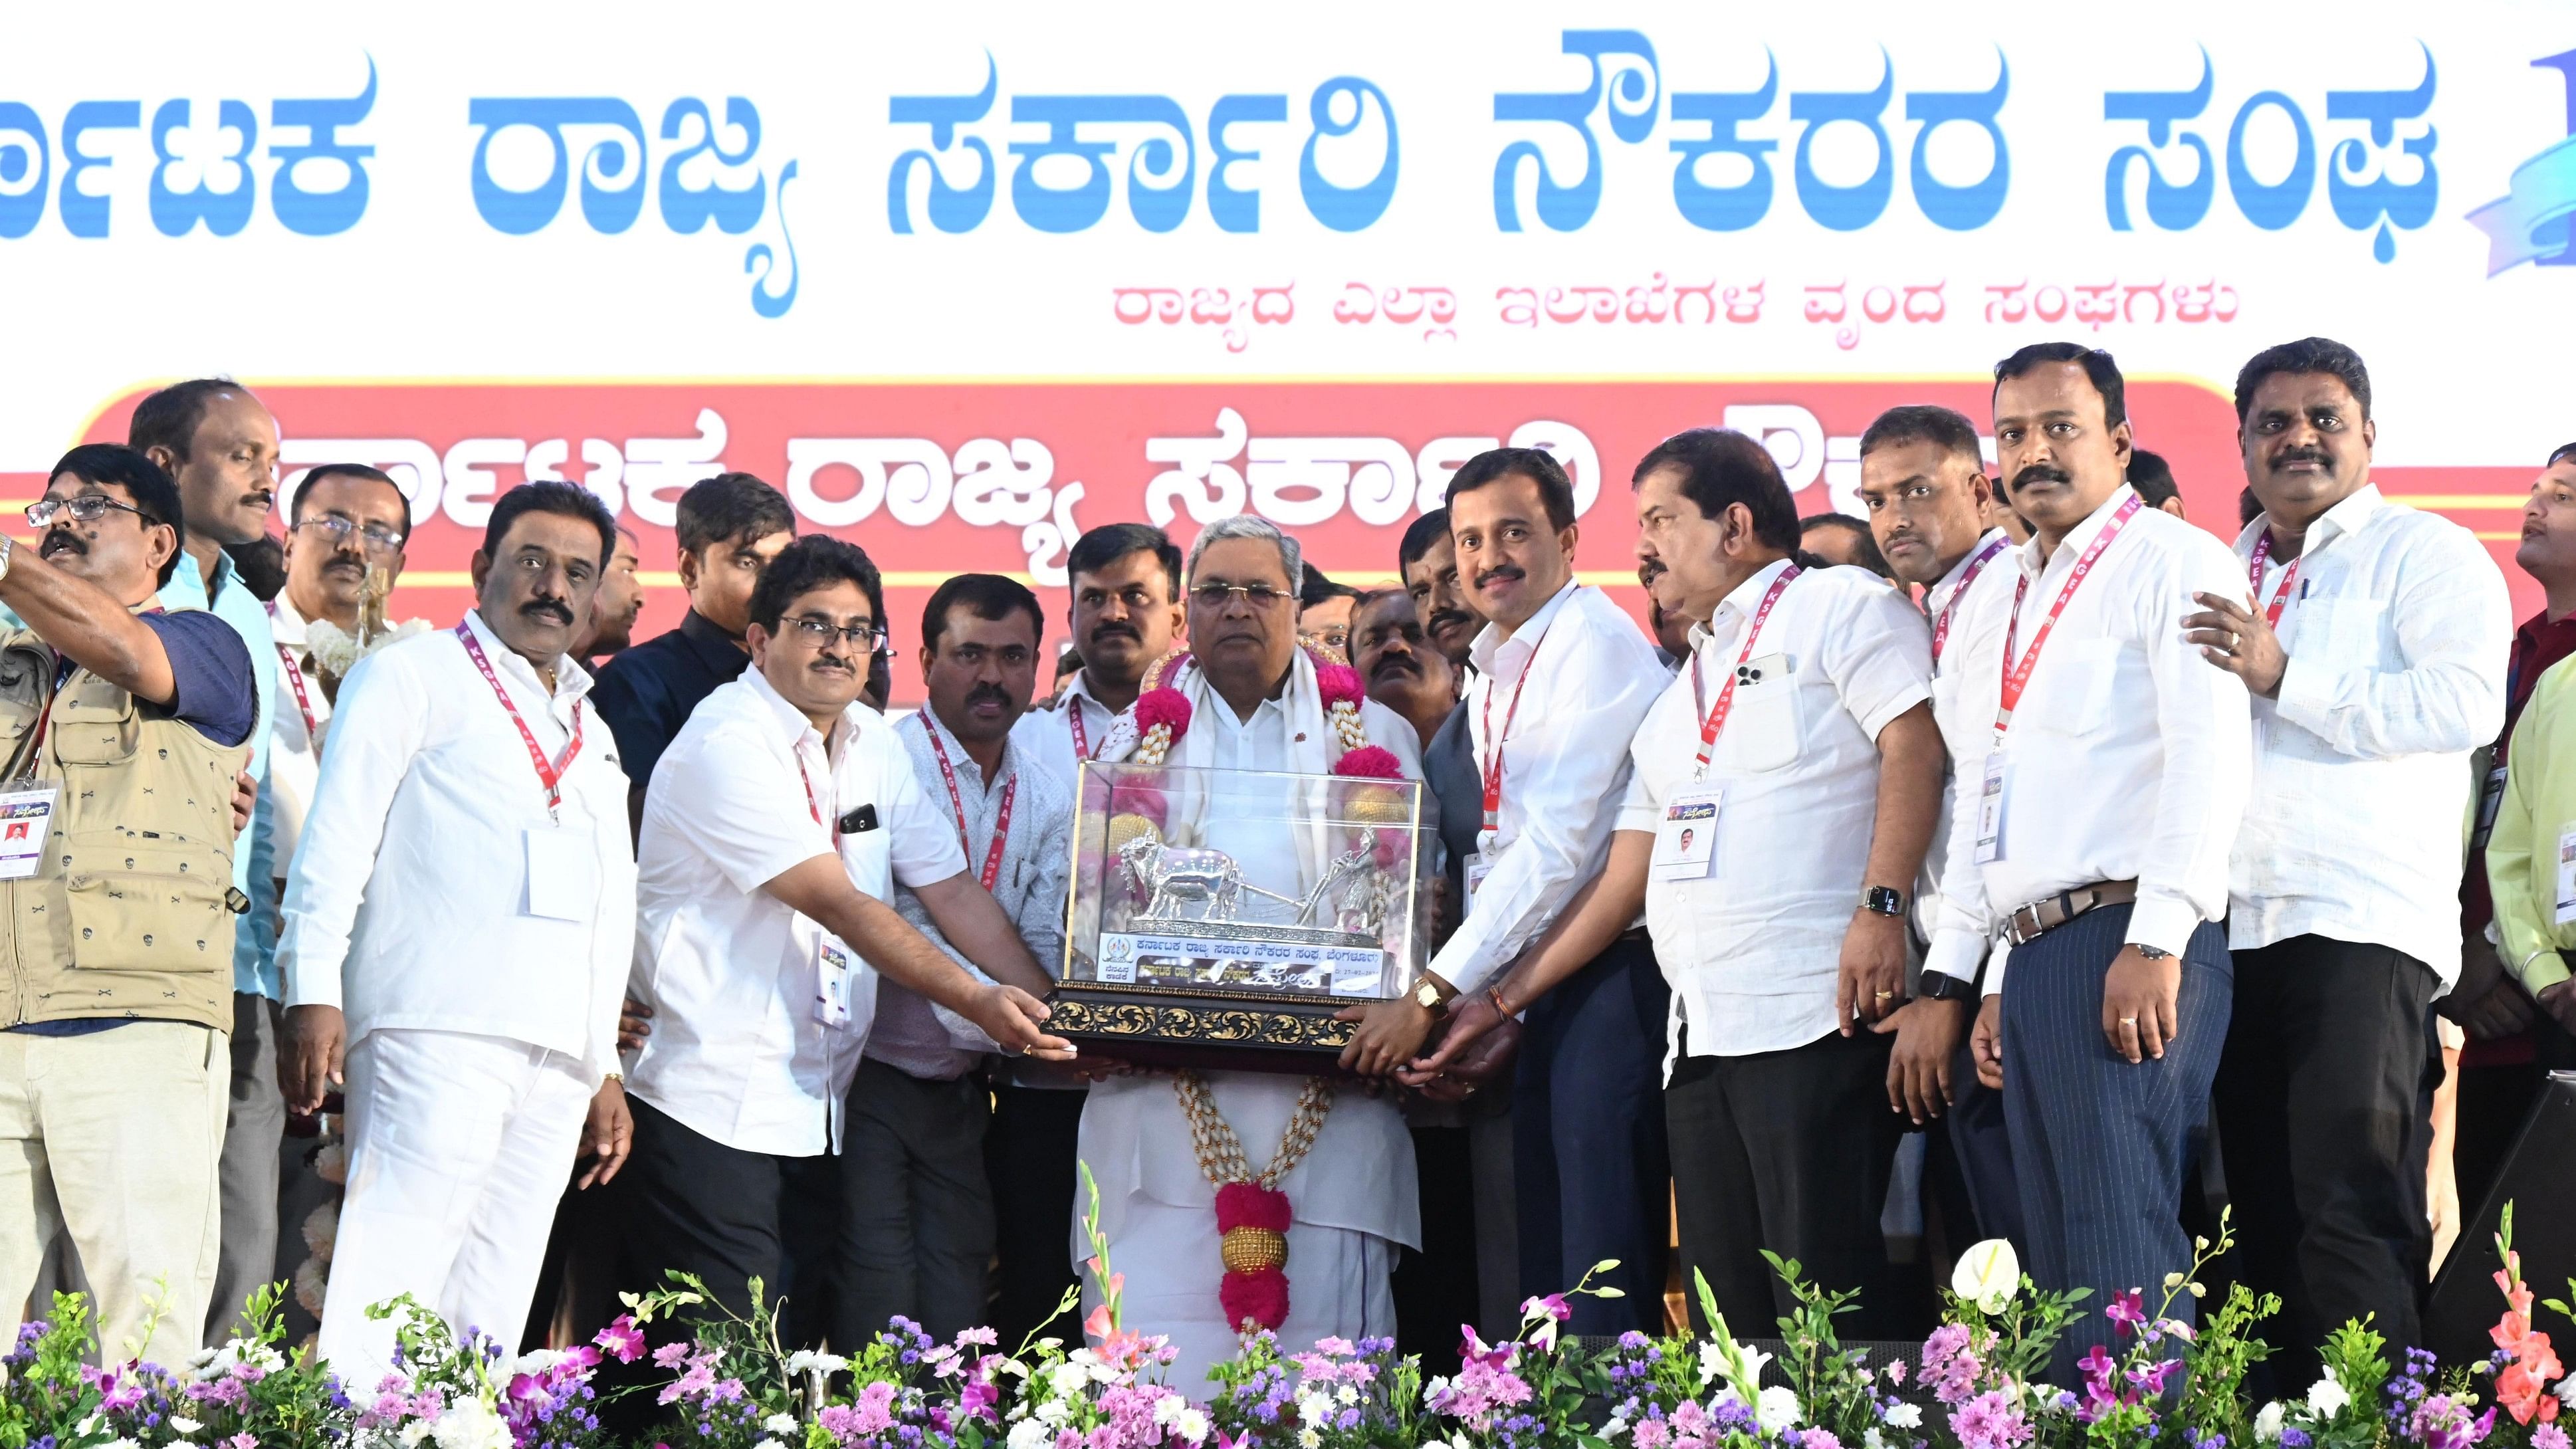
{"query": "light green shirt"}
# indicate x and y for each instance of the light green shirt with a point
(2535, 823)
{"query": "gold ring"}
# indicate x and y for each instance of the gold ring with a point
(2128, 1021)
(1884, 995)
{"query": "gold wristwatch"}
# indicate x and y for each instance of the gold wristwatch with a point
(1426, 994)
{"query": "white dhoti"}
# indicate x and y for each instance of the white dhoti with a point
(1352, 1202)
(459, 1148)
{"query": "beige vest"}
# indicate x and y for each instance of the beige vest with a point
(129, 913)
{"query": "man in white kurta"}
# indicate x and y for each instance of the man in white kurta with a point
(458, 922)
(1352, 1197)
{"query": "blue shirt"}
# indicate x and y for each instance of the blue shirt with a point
(646, 692)
(255, 940)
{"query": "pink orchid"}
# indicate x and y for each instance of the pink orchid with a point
(623, 1339)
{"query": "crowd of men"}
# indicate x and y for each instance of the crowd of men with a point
(693, 959)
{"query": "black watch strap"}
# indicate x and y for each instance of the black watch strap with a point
(1942, 986)
(1883, 901)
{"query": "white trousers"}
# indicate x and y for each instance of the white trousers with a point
(113, 1137)
(459, 1148)
(1339, 1283)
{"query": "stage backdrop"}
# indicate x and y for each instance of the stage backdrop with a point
(966, 280)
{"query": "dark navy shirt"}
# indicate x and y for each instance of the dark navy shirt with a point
(648, 690)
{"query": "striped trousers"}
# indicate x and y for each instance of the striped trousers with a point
(2103, 1148)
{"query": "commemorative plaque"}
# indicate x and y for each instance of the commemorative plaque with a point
(1220, 918)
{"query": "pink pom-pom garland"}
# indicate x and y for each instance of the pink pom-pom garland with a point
(1339, 684)
(1163, 707)
(1370, 762)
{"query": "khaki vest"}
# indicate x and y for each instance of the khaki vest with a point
(129, 911)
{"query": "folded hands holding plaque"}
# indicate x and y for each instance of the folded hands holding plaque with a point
(1221, 916)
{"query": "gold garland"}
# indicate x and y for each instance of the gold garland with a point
(1220, 1152)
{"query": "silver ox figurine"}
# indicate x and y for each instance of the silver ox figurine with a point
(1175, 877)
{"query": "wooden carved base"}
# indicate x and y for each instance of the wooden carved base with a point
(1221, 1031)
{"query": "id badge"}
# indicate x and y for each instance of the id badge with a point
(832, 983)
(2567, 875)
(1478, 866)
(562, 875)
(26, 817)
(1686, 842)
(1990, 811)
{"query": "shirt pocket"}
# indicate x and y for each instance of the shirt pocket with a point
(868, 855)
(1766, 722)
(2070, 688)
(2341, 635)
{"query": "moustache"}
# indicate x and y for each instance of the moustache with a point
(62, 540)
(992, 692)
(1500, 571)
(262, 497)
(1392, 663)
(1445, 618)
(2040, 473)
(2302, 455)
(1114, 630)
(554, 609)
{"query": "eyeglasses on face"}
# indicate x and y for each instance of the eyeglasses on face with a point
(1259, 596)
(1336, 640)
(83, 508)
(378, 538)
(820, 632)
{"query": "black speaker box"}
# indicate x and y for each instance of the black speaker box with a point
(2539, 1179)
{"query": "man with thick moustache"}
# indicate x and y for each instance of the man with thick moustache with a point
(1125, 579)
(1560, 669)
(1925, 488)
(2107, 796)
(2374, 647)
(1394, 656)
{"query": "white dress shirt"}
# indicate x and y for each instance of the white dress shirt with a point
(1584, 676)
(294, 757)
(737, 1054)
(407, 905)
(912, 1034)
(1047, 734)
(2397, 628)
(1360, 1175)
(2129, 756)
(1753, 949)
(1965, 736)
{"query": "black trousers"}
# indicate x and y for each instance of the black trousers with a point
(1588, 1160)
(1435, 1288)
(1029, 1157)
(2319, 1102)
(698, 1206)
(1791, 1151)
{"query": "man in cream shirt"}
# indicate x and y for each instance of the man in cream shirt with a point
(456, 930)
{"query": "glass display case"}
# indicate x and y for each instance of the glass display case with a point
(1220, 918)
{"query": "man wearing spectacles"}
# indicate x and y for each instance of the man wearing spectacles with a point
(772, 847)
(128, 725)
(1324, 610)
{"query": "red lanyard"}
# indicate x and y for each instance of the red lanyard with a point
(1976, 566)
(2017, 676)
(303, 701)
(813, 806)
(1715, 723)
(1493, 766)
(1081, 736)
(1001, 822)
(2254, 576)
(549, 775)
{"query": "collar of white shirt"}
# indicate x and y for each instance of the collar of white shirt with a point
(2034, 557)
(792, 723)
(1948, 585)
(571, 680)
(286, 622)
(2350, 516)
(1744, 598)
(1504, 658)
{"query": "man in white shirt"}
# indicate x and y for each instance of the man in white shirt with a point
(457, 924)
(776, 828)
(1125, 579)
(924, 1196)
(1924, 486)
(1257, 703)
(1783, 792)
(2374, 648)
(2095, 834)
(1560, 671)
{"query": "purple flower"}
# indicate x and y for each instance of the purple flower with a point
(2127, 1310)
(1989, 1421)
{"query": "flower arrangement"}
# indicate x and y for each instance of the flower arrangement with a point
(2148, 1380)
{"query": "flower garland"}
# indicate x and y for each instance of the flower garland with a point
(1252, 1214)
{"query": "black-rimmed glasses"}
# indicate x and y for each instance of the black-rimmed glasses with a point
(83, 507)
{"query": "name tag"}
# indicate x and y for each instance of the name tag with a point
(1686, 842)
(1990, 811)
(2567, 875)
(832, 983)
(1478, 866)
(26, 815)
(563, 875)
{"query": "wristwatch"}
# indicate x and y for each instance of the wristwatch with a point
(1883, 901)
(2152, 953)
(1426, 994)
(1942, 986)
